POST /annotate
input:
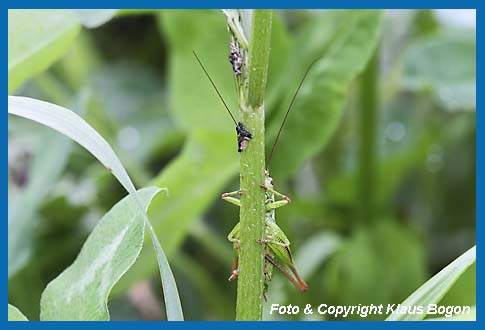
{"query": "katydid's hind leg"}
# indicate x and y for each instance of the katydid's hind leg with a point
(230, 197)
(298, 283)
(301, 281)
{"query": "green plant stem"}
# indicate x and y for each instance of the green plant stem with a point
(367, 149)
(251, 253)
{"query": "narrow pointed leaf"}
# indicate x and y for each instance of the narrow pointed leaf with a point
(14, 314)
(72, 125)
(435, 288)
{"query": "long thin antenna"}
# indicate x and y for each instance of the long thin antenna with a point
(217, 91)
(288, 111)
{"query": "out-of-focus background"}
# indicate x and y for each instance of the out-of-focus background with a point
(380, 202)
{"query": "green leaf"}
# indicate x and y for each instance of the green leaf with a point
(81, 291)
(49, 160)
(424, 63)
(36, 39)
(435, 288)
(14, 314)
(345, 41)
(73, 126)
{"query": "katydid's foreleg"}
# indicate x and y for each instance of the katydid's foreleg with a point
(230, 197)
(276, 193)
(276, 204)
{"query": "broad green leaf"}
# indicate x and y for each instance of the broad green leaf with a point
(36, 39)
(444, 65)
(345, 41)
(435, 288)
(47, 164)
(81, 291)
(92, 18)
(14, 314)
(73, 126)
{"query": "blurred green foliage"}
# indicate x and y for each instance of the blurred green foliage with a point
(135, 80)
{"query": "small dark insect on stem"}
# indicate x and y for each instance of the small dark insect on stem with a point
(243, 135)
(288, 111)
